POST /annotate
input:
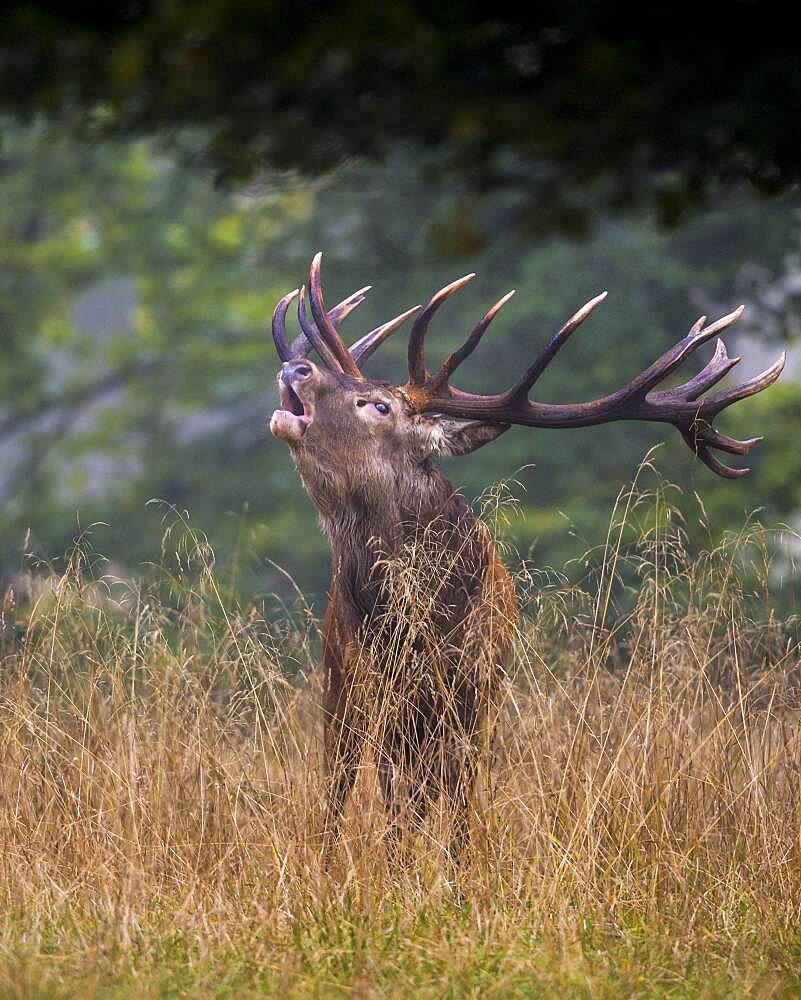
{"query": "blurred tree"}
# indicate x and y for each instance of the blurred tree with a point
(574, 106)
(135, 302)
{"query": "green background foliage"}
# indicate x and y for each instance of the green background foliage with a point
(135, 299)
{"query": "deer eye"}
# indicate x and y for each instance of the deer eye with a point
(381, 407)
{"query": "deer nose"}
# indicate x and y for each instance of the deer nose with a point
(294, 370)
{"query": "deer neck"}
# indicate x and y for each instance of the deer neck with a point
(384, 510)
(369, 520)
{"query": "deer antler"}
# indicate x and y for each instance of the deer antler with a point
(638, 400)
(321, 334)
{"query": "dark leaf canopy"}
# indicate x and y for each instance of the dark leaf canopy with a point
(568, 104)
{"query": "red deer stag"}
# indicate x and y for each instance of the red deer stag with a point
(364, 451)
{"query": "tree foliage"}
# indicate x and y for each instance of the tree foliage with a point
(571, 105)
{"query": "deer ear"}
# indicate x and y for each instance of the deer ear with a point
(457, 437)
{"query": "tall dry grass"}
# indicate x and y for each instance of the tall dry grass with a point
(161, 791)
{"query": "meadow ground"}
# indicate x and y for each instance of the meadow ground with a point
(638, 833)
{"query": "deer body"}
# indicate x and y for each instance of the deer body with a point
(413, 673)
(421, 611)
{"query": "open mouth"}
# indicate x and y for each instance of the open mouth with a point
(291, 421)
(291, 401)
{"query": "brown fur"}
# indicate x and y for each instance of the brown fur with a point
(420, 608)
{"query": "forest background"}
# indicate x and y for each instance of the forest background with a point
(166, 174)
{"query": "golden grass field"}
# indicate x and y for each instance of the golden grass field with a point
(637, 833)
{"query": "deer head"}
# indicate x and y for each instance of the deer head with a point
(349, 434)
(340, 424)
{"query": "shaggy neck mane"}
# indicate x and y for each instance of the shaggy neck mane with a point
(412, 508)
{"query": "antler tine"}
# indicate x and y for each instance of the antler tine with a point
(282, 346)
(326, 328)
(531, 375)
(452, 362)
(315, 338)
(343, 309)
(672, 358)
(370, 342)
(301, 345)
(721, 400)
(417, 364)
(718, 366)
(714, 463)
(732, 445)
(701, 436)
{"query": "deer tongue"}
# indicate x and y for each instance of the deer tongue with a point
(288, 426)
